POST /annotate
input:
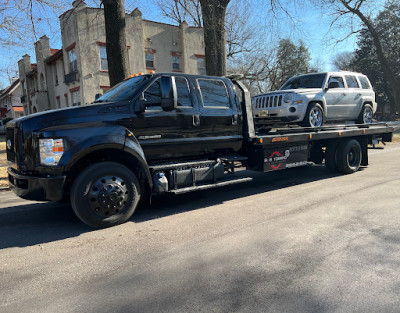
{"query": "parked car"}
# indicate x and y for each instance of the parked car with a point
(312, 99)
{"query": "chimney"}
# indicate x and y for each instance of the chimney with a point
(27, 63)
(78, 4)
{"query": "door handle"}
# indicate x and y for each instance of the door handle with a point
(196, 120)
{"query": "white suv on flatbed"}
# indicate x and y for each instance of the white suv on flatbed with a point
(312, 99)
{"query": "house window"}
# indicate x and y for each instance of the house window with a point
(176, 63)
(73, 64)
(103, 58)
(149, 60)
(58, 102)
(201, 66)
(55, 74)
(76, 98)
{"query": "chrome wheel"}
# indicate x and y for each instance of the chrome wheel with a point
(367, 115)
(315, 117)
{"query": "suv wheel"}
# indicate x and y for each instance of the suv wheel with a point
(314, 116)
(366, 115)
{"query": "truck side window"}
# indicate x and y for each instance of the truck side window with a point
(351, 81)
(153, 96)
(364, 82)
(214, 93)
(182, 89)
(337, 79)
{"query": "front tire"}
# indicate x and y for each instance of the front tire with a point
(105, 194)
(314, 116)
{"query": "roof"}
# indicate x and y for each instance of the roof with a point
(10, 89)
(55, 56)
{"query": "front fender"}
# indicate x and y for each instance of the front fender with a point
(82, 141)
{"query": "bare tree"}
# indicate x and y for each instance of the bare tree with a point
(358, 13)
(214, 35)
(343, 61)
(117, 55)
(21, 20)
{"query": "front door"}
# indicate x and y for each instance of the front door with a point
(167, 135)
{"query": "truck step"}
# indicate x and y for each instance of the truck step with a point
(208, 186)
(233, 158)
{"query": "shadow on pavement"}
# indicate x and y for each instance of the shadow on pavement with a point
(36, 223)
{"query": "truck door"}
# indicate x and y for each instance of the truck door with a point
(163, 134)
(220, 118)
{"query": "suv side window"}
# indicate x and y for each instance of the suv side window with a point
(214, 93)
(153, 96)
(352, 81)
(182, 89)
(364, 82)
(337, 79)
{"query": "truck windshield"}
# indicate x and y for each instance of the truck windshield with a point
(123, 91)
(304, 81)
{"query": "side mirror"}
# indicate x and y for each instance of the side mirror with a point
(168, 93)
(140, 105)
(333, 85)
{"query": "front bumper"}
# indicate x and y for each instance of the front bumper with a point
(284, 114)
(36, 188)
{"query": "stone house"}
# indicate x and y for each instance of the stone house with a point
(76, 73)
(10, 101)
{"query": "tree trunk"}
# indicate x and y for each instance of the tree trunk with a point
(214, 35)
(117, 55)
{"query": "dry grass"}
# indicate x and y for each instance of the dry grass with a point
(3, 165)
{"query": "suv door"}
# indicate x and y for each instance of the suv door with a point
(354, 97)
(335, 98)
(163, 134)
(220, 117)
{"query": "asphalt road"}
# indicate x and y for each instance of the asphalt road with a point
(300, 240)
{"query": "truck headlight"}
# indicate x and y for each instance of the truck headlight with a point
(51, 151)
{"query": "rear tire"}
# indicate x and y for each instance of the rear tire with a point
(366, 115)
(348, 156)
(314, 116)
(105, 194)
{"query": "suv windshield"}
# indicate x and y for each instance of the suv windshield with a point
(123, 91)
(304, 81)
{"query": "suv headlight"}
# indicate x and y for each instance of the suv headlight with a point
(51, 151)
(287, 98)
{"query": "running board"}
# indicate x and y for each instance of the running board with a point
(208, 186)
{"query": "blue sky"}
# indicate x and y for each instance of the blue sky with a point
(308, 23)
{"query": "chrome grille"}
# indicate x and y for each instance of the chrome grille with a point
(263, 102)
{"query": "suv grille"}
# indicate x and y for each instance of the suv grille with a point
(10, 145)
(268, 102)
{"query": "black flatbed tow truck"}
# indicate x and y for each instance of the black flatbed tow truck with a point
(164, 133)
